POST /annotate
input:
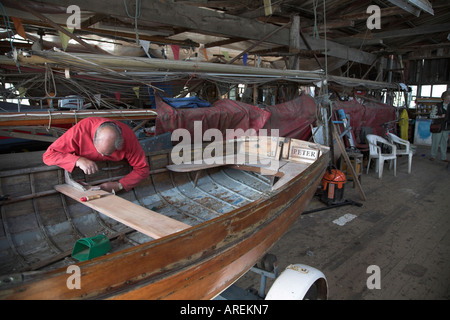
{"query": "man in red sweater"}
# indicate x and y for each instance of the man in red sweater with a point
(99, 139)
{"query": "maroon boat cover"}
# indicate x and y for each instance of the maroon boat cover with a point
(292, 118)
(223, 114)
(368, 115)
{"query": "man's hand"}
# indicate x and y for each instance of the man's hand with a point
(88, 166)
(110, 186)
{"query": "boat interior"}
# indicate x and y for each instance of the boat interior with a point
(42, 215)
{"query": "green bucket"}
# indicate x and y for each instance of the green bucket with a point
(90, 248)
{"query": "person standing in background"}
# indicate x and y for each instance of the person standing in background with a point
(440, 140)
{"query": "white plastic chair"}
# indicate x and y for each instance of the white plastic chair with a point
(376, 152)
(403, 148)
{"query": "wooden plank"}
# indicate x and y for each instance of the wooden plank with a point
(213, 162)
(349, 163)
(134, 216)
(29, 136)
(289, 170)
(11, 119)
(232, 161)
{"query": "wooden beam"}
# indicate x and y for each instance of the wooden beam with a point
(257, 43)
(358, 42)
(424, 5)
(29, 136)
(417, 31)
(92, 20)
(294, 43)
(139, 63)
(384, 12)
(223, 42)
(8, 119)
(213, 22)
(129, 35)
(331, 25)
(112, 34)
(25, 5)
(260, 12)
(406, 6)
(378, 37)
(310, 49)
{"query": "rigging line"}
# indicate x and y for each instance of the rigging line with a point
(315, 30)
(11, 35)
(107, 69)
(360, 48)
(49, 74)
(23, 83)
(135, 17)
(326, 50)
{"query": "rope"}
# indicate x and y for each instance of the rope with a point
(326, 50)
(10, 34)
(135, 17)
(49, 73)
(315, 30)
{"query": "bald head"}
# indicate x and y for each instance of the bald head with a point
(108, 138)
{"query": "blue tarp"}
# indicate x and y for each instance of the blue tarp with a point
(190, 102)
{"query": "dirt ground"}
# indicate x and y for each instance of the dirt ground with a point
(403, 228)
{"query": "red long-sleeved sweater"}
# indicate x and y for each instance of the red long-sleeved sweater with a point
(78, 142)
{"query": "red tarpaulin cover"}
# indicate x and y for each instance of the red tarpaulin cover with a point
(223, 114)
(292, 118)
(369, 114)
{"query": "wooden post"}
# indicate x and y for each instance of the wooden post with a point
(294, 43)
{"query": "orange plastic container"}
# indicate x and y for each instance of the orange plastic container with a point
(333, 186)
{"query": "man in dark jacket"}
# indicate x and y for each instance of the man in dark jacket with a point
(440, 140)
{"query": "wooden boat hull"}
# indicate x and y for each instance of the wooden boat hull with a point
(196, 263)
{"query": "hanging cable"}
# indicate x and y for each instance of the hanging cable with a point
(7, 25)
(10, 34)
(326, 50)
(136, 15)
(315, 30)
(49, 75)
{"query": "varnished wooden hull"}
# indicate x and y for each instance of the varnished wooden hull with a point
(196, 263)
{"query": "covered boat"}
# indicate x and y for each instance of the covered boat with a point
(187, 232)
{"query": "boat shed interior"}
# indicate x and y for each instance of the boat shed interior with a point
(364, 78)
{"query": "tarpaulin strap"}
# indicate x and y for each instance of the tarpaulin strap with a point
(49, 120)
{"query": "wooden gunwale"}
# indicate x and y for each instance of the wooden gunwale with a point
(210, 261)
